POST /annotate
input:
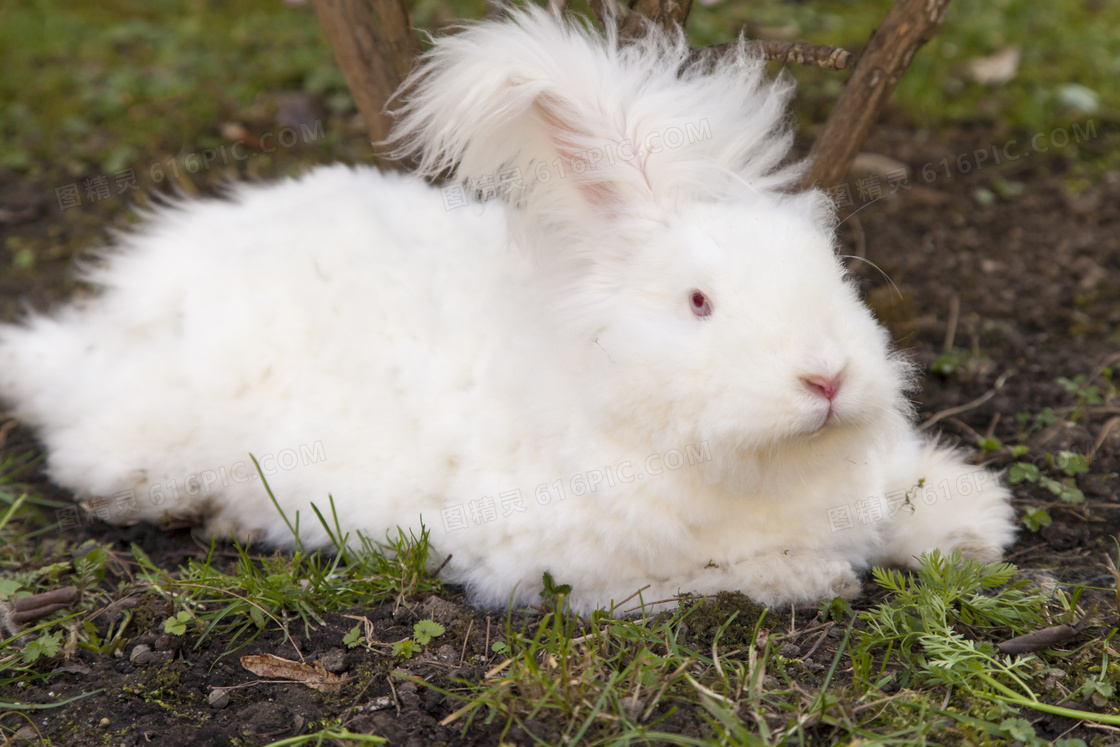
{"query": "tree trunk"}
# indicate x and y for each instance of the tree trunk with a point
(909, 25)
(374, 57)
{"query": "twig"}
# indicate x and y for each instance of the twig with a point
(816, 645)
(466, 640)
(1040, 639)
(1101, 437)
(21, 611)
(992, 425)
(964, 427)
(859, 236)
(665, 14)
(1025, 551)
(396, 700)
(951, 325)
(969, 405)
(803, 53)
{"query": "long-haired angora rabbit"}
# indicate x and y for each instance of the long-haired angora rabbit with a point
(638, 366)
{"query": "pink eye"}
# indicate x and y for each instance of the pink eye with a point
(699, 303)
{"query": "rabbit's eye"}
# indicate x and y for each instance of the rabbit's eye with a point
(699, 303)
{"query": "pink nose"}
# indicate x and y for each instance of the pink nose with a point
(823, 386)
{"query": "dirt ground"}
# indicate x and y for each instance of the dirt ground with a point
(1016, 266)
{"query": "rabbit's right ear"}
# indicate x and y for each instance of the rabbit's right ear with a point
(529, 103)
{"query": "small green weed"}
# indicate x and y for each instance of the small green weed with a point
(1064, 488)
(1035, 519)
(1088, 393)
(1030, 423)
(46, 645)
(177, 625)
(422, 634)
(937, 622)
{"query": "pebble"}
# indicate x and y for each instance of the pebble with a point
(141, 655)
(219, 698)
(26, 734)
(335, 661)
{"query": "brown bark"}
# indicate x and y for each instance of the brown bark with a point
(909, 25)
(374, 56)
(786, 52)
(665, 14)
(396, 26)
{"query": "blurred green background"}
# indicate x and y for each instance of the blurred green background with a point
(95, 89)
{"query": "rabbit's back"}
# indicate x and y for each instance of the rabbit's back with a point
(298, 318)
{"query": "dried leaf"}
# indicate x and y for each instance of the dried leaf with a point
(313, 675)
(996, 69)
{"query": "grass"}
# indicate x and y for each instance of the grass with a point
(283, 587)
(918, 668)
(617, 682)
(1062, 43)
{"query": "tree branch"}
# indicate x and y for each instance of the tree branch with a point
(909, 25)
(665, 14)
(786, 52)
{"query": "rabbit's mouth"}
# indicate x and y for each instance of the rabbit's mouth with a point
(816, 428)
(831, 420)
(829, 417)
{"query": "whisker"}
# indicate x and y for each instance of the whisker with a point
(877, 267)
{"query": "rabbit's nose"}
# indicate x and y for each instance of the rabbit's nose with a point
(823, 386)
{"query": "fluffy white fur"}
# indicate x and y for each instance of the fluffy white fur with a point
(407, 359)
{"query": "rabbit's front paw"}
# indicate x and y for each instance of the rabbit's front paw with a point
(971, 543)
(780, 580)
(840, 580)
(949, 505)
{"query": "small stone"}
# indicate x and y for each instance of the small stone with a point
(447, 654)
(790, 651)
(219, 698)
(334, 661)
(26, 734)
(141, 655)
(380, 704)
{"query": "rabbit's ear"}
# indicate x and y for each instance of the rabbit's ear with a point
(530, 98)
(560, 120)
(594, 157)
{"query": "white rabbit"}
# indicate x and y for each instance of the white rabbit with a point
(642, 369)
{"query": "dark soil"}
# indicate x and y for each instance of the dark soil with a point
(1035, 277)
